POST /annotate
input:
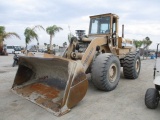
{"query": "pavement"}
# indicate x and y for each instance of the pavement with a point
(126, 102)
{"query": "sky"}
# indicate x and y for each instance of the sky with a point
(140, 18)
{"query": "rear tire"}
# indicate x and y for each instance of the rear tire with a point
(131, 65)
(106, 72)
(152, 98)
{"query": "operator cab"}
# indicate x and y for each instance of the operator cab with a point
(103, 24)
(100, 25)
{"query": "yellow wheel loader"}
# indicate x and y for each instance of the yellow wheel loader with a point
(59, 83)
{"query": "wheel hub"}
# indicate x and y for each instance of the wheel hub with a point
(112, 73)
(137, 65)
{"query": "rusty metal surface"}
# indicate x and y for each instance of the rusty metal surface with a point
(46, 55)
(56, 84)
(77, 93)
(42, 94)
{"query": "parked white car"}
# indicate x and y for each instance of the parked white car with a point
(14, 49)
(10, 49)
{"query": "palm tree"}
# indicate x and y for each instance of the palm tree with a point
(30, 33)
(146, 43)
(5, 35)
(54, 45)
(64, 44)
(45, 44)
(137, 43)
(51, 30)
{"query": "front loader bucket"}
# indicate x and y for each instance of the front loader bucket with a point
(56, 84)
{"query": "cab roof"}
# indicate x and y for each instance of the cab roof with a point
(107, 14)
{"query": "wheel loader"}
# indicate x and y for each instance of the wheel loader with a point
(58, 83)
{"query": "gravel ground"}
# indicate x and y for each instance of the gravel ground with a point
(126, 102)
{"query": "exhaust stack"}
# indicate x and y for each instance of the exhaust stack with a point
(122, 31)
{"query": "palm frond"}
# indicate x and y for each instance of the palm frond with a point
(30, 33)
(146, 42)
(39, 27)
(2, 30)
(51, 30)
(11, 34)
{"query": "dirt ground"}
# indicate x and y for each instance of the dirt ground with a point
(126, 102)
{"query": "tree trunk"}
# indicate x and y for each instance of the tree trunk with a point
(37, 46)
(26, 51)
(51, 42)
(147, 53)
(144, 51)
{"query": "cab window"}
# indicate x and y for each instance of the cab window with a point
(100, 25)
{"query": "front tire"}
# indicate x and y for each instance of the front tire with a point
(106, 72)
(152, 98)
